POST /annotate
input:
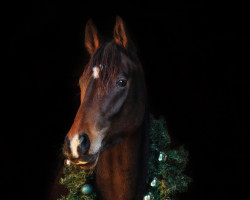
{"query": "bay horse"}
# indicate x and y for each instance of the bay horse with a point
(110, 130)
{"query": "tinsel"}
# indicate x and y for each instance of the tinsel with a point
(165, 176)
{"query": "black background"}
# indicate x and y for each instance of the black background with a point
(195, 57)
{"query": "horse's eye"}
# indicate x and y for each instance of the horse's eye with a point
(121, 83)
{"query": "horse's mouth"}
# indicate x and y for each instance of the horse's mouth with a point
(86, 163)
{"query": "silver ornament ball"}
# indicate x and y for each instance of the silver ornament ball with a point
(162, 156)
(149, 196)
(154, 182)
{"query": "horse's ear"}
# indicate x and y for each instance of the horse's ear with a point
(91, 37)
(120, 33)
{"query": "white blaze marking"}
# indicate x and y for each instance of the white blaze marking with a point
(73, 146)
(96, 71)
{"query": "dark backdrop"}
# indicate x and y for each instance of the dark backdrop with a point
(195, 57)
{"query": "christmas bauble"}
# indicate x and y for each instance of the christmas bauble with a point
(149, 196)
(86, 189)
(154, 182)
(67, 162)
(162, 156)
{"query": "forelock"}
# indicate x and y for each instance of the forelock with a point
(108, 59)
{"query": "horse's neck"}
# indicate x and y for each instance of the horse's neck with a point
(121, 170)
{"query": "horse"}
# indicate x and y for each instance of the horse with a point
(110, 130)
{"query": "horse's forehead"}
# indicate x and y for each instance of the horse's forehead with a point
(96, 71)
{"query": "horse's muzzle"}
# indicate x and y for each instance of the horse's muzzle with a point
(77, 151)
(78, 145)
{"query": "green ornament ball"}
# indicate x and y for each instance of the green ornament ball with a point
(87, 189)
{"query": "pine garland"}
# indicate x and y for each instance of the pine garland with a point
(74, 179)
(165, 173)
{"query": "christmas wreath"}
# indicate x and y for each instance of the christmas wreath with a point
(165, 173)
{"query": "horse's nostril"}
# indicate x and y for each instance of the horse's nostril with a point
(84, 143)
(83, 138)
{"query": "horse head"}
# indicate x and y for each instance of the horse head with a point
(112, 96)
